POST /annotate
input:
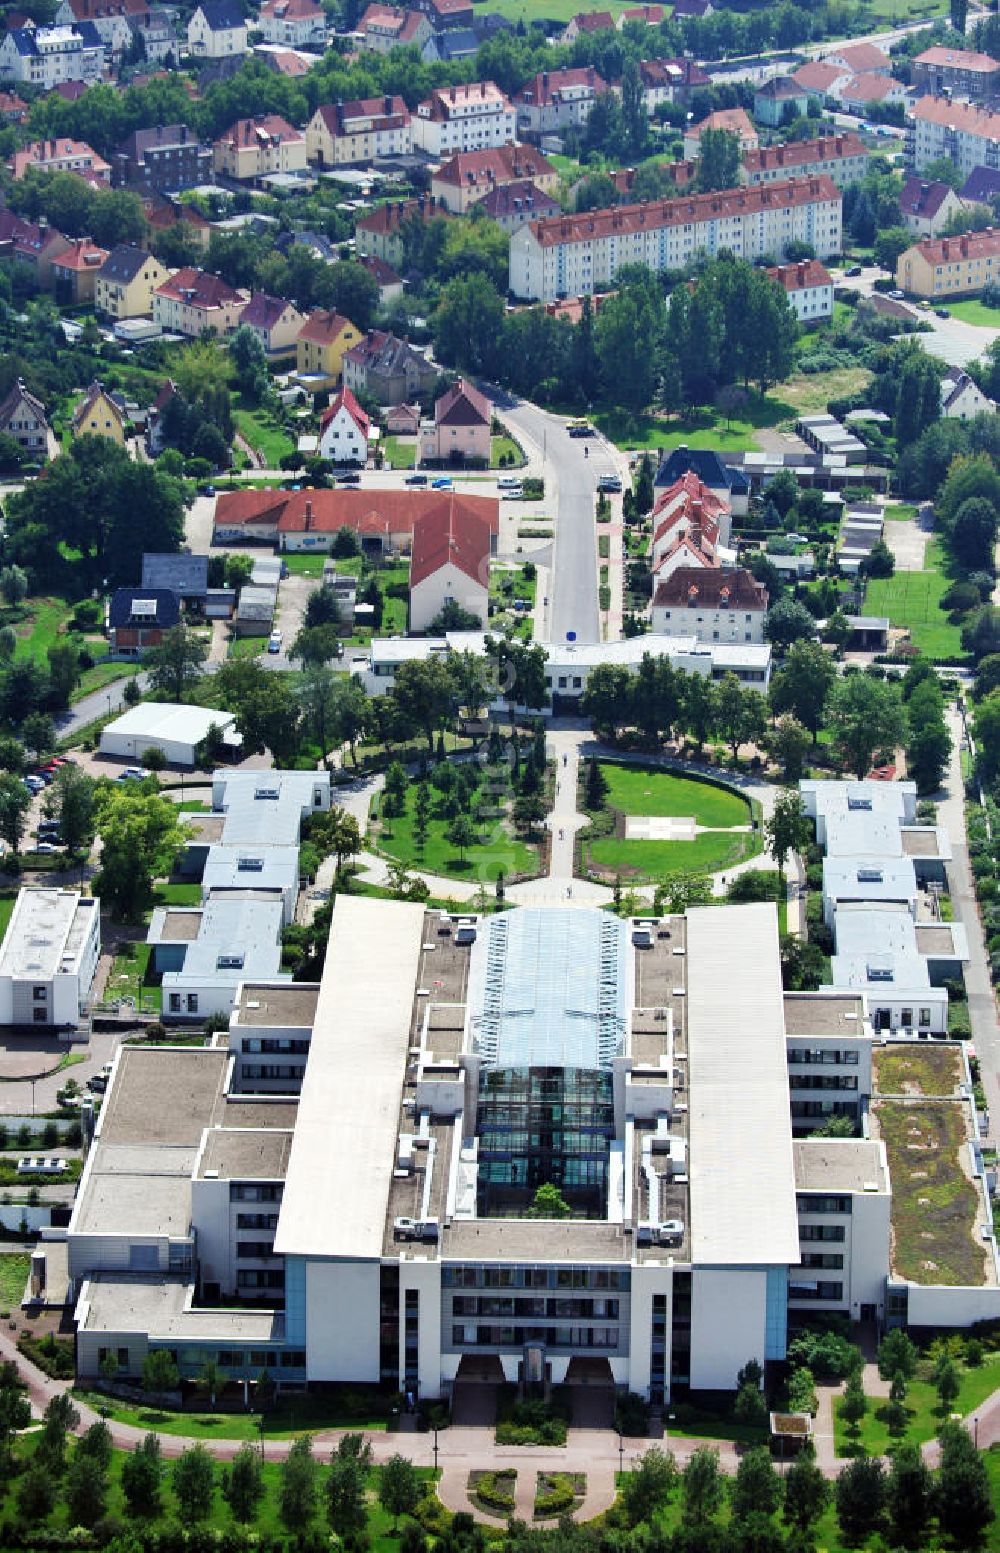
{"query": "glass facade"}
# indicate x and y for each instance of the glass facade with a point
(538, 1125)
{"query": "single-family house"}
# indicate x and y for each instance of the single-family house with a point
(22, 416)
(181, 573)
(927, 207)
(668, 81)
(735, 120)
(390, 285)
(126, 281)
(99, 414)
(321, 345)
(586, 22)
(819, 78)
(363, 131)
(778, 100)
(384, 27)
(75, 272)
(858, 91)
(344, 430)
(138, 617)
(460, 430)
(860, 59)
(962, 398)
(217, 30)
(403, 420)
(275, 322)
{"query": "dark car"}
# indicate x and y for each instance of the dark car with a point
(854, 271)
(350, 478)
(942, 312)
(416, 480)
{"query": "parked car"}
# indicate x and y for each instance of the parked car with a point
(854, 271)
(610, 483)
(274, 642)
(443, 483)
(416, 480)
(897, 296)
(132, 774)
(47, 847)
(942, 312)
(350, 478)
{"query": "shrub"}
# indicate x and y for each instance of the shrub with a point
(496, 1489)
(556, 1497)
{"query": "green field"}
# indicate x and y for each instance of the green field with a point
(301, 565)
(923, 1410)
(697, 431)
(400, 453)
(127, 978)
(269, 440)
(641, 790)
(499, 852)
(971, 311)
(14, 1269)
(911, 600)
(290, 1416)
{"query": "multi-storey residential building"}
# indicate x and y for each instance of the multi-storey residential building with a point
(464, 180)
(939, 267)
(809, 289)
(842, 158)
(61, 156)
(362, 131)
(460, 429)
(574, 255)
(777, 100)
(388, 370)
(217, 30)
(294, 23)
(711, 605)
(379, 234)
(114, 20)
(254, 148)
(860, 59)
(516, 203)
(960, 72)
(384, 27)
(969, 136)
(670, 81)
(557, 99)
(126, 281)
(192, 301)
(462, 118)
(45, 57)
(164, 159)
(22, 416)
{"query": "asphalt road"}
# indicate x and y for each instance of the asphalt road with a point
(572, 466)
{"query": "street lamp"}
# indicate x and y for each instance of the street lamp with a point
(32, 1083)
(435, 1428)
(621, 1452)
(260, 1430)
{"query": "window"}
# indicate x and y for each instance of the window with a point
(40, 1015)
(39, 994)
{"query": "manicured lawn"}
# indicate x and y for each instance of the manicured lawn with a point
(498, 850)
(504, 448)
(647, 861)
(915, 1070)
(912, 600)
(699, 431)
(289, 1416)
(246, 646)
(304, 565)
(935, 1207)
(923, 1409)
(177, 895)
(899, 511)
(261, 433)
(14, 1269)
(971, 311)
(640, 790)
(400, 452)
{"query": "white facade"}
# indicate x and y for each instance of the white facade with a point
(844, 1201)
(175, 729)
(342, 440)
(462, 118)
(48, 958)
(811, 304)
(448, 583)
(966, 135)
(209, 42)
(46, 56)
(707, 624)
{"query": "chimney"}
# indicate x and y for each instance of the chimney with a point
(309, 516)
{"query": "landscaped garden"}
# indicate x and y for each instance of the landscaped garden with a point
(722, 818)
(14, 1269)
(466, 821)
(924, 1410)
(916, 1070)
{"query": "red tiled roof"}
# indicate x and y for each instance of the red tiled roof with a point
(805, 276)
(196, 288)
(388, 218)
(322, 328)
(292, 10)
(737, 589)
(82, 255)
(548, 85)
(384, 273)
(957, 59)
(862, 57)
(736, 120)
(802, 153)
(950, 250)
(652, 15)
(251, 132)
(818, 75)
(623, 219)
(672, 72)
(345, 400)
(498, 164)
(870, 87)
(958, 115)
(444, 99)
(383, 511)
(462, 405)
(450, 534)
(593, 21)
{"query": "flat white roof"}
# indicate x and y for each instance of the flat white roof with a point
(45, 934)
(343, 1154)
(863, 833)
(180, 723)
(869, 878)
(742, 1178)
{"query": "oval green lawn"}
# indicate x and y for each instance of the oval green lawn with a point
(642, 790)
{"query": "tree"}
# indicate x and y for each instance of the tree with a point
(298, 1498)
(740, 714)
(15, 800)
(243, 1484)
(606, 698)
(788, 621)
(174, 664)
(866, 717)
(649, 1485)
(211, 1379)
(320, 698)
(880, 561)
(141, 1477)
(249, 361)
(140, 836)
(860, 1497)
(958, 11)
(38, 733)
(909, 1496)
(468, 324)
(756, 1487)
(596, 786)
(462, 834)
(13, 584)
(974, 532)
(398, 1488)
(854, 1404)
(787, 830)
(159, 1372)
(807, 1492)
(341, 834)
(86, 1489)
(789, 743)
(701, 1487)
(549, 1203)
(193, 1483)
(36, 1493)
(424, 693)
(719, 160)
(889, 244)
(345, 1491)
(897, 1355)
(266, 716)
(98, 1445)
(801, 1386)
(803, 684)
(962, 1499)
(529, 811)
(750, 1406)
(698, 708)
(15, 1414)
(947, 1382)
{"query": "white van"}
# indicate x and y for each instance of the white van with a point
(510, 486)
